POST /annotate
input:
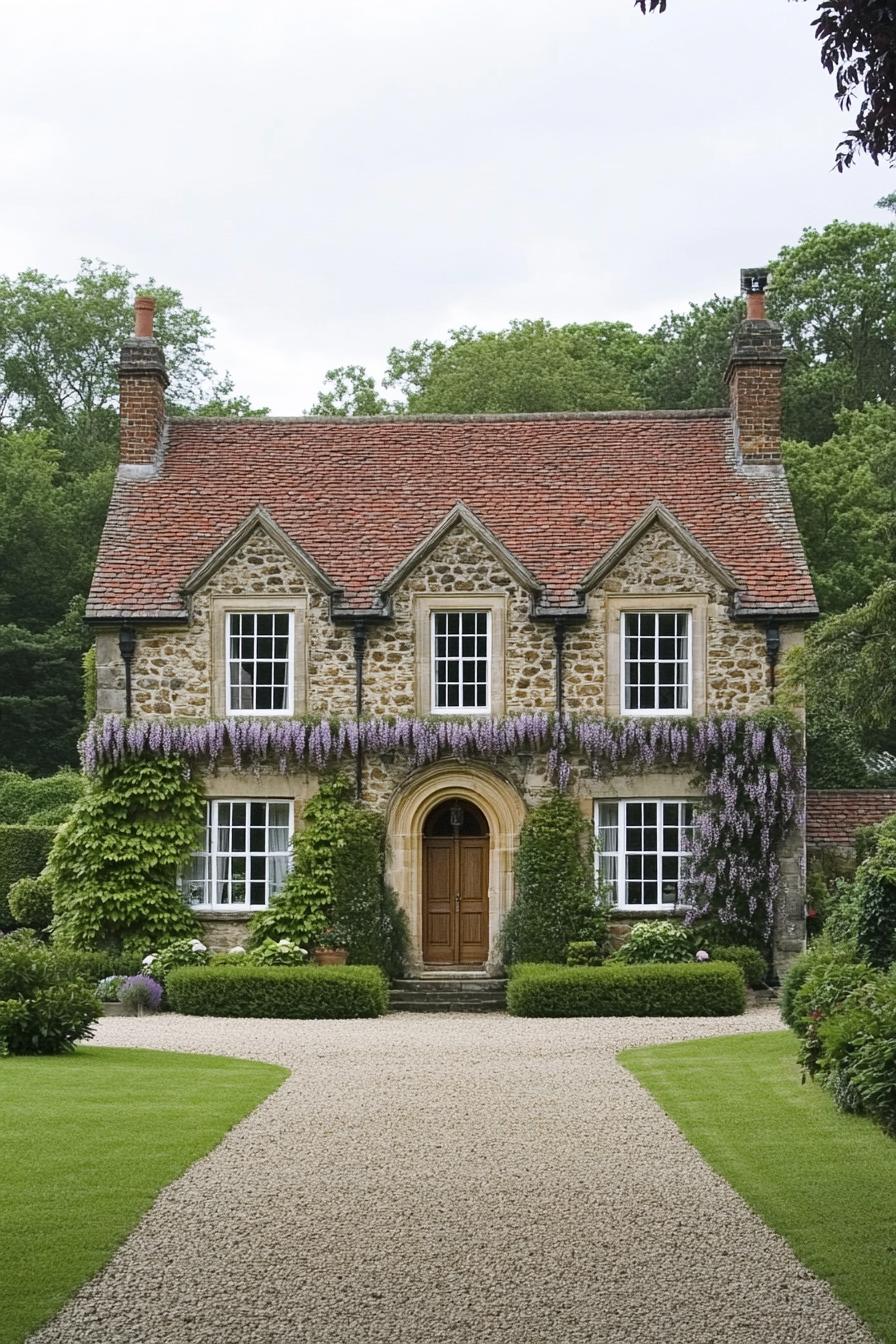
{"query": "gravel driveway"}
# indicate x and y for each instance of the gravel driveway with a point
(453, 1178)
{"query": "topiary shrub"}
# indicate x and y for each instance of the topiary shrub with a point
(556, 893)
(45, 801)
(626, 991)
(337, 878)
(31, 902)
(115, 862)
(278, 991)
(23, 853)
(43, 1011)
(752, 963)
(656, 941)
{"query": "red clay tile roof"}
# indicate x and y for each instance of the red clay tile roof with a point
(359, 494)
(834, 815)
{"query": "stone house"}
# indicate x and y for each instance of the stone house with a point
(641, 564)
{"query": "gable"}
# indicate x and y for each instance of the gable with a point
(462, 539)
(258, 544)
(658, 546)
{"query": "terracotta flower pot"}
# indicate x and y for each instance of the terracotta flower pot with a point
(330, 956)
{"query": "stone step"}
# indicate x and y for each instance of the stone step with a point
(427, 1003)
(444, 986)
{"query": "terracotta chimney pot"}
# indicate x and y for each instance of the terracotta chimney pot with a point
(144, 312)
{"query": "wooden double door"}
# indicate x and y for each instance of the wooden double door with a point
(455, 886)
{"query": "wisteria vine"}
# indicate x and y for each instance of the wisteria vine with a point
(751, 772)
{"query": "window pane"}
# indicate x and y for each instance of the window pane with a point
(460, 666)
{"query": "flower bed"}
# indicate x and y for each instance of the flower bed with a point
(278, 991)
(679, 990)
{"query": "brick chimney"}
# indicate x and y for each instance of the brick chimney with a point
(754, 375)
(142, 380)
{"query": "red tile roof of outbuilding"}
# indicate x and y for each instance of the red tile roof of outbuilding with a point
(358, 494)
(834, 815)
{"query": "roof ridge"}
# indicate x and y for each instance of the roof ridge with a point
(508, 417)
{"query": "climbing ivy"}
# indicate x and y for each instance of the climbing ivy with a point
(557, 900)
(337, 882)
(114, 863)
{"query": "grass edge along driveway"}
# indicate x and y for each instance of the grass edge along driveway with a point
(88, 1140)
(825, 1181)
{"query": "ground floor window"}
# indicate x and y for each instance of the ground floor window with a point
(244, 856)
(643, 850)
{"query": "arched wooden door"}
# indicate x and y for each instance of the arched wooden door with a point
(455, 885)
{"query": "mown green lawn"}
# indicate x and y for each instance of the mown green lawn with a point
(825, 1181)
(87, 1140)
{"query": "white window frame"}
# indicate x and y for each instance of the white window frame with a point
(623, 662)
(620, 856)
(229, 615)
(210, 854)
(460, 612)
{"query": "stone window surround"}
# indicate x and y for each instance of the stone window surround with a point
(695, 604)
(424, 606)
(220, 608)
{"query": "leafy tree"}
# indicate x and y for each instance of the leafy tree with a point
(848, 669)
(690, 354)
(858, 46)
(844, 494)
(59, 349)
(350, 390)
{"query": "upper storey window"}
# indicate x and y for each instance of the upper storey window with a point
(656, 662)
(461, 656)
(260, 657)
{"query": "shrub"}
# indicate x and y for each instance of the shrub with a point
(43, 1011)
(31, 902)
(23, 853)
(876, 896)
(182, 952)
(853, 1051)
(752, 963)
(557, 900)
(282, 953)
(94, 966)
(656, 940)
(115, 862)
(47, 801)
(107, 989)
(337, 877)
(140, 993)
(826, 986)
(583, 953)
(626, 991)
(278, 991)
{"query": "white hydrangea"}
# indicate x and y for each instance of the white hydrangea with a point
(231, 950)
(196, 946)
(148, 961)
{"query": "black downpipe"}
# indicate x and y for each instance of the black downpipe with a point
(360, 633)
(559, 643)
(127, 644)
(772, 653)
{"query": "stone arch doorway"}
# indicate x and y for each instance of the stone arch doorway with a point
(455, 885)
(503, 811)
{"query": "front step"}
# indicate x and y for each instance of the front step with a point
(468, 992)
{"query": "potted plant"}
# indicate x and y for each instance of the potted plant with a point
(330, 946)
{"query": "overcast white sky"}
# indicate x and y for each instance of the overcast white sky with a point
(328, 178)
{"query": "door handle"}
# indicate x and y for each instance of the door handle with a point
(457, 901)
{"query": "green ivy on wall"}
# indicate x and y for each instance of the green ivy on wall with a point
(114, 863)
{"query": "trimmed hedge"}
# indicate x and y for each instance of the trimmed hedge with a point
(682, 990)
(278, 991)
(23, 853)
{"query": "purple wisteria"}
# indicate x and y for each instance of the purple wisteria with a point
(748, 770)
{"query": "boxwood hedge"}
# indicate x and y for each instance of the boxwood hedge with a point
(23, 853)
(682, 990)
(278, 991)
